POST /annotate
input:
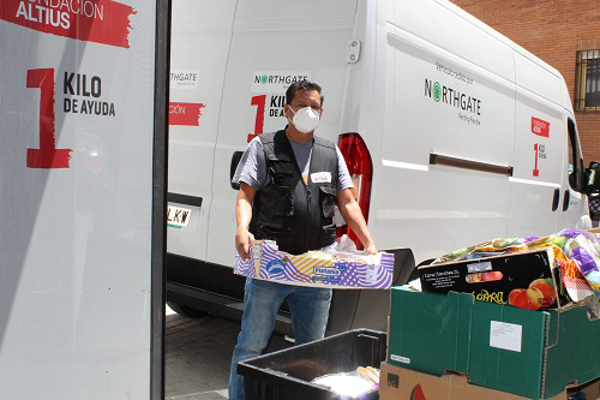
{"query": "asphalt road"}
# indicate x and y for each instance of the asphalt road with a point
(198, 354)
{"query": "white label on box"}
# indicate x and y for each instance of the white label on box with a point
(479, 267)
(506, 336)
(397, 358)
(371, 274)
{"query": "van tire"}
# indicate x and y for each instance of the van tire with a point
(185, 311)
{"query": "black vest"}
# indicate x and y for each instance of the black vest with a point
(298, 216)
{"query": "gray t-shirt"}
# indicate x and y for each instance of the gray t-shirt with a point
(252, 169)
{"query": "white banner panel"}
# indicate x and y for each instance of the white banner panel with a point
(76, 141)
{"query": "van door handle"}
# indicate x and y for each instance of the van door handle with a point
(556, 199)
(566, 200)
(235, 160)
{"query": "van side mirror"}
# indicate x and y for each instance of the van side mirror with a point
(593, 178)
(235, 160)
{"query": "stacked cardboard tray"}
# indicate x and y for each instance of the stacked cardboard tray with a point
(455, 347)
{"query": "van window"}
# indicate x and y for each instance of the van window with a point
(575, 165)
(587, 97)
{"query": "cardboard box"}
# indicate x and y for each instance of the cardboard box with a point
(343, 270)
(526, 280)
(534, 354)
(591, 390)
(404, 384)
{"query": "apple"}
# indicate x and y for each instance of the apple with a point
(528, 299)
(547, 289)
(535, 298)
(514, 297)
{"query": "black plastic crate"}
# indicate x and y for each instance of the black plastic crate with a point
(286, 374)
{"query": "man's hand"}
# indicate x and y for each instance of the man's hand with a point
(371, 249)
(355, 220)
(243, 241)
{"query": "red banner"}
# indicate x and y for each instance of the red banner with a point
(99, 21)
(540, 127)
(187, 114)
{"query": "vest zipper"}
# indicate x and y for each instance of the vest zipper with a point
(309, 201)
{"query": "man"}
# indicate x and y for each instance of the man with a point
(289, 181)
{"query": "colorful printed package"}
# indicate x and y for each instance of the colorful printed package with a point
(331, 268)
(577, 253)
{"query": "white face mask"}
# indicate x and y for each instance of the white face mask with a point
(306, 119)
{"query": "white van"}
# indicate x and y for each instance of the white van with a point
(454, 134)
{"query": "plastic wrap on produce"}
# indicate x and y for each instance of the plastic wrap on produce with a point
(577, 253)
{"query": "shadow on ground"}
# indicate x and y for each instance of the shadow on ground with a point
(198, 354)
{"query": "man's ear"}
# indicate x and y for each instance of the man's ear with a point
(287, 111)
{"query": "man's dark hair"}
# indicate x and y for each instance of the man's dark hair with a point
(302, 86)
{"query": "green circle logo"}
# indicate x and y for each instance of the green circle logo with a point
(264, 79)
(437, 92)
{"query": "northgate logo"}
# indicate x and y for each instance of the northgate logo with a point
(279, 79)
(452, 97)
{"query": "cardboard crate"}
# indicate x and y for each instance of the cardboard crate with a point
(534, 354)
(526, 279)
(344, 270)
(404, 384)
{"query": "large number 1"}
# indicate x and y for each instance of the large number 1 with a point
(259, 124)
(536, 171)
(47, 156)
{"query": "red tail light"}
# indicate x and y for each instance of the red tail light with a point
(360, 166)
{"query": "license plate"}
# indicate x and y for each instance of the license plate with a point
(178, 217)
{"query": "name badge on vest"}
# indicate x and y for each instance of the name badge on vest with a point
(321, 177)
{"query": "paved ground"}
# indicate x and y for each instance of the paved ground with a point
(198, 353)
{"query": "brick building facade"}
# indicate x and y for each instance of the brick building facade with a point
(556, 31)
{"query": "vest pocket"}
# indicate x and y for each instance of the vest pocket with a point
(328, 235)
(281, 183)
(327, 193)
(282, 235)
(283, 207)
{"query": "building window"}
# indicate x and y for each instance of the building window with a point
(588, 81)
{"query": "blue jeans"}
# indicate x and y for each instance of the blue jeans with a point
(310, 310)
